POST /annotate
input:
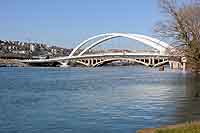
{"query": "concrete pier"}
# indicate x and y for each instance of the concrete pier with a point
(179, 64)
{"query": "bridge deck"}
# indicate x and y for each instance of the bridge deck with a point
(96, 56)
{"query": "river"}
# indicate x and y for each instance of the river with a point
(95, 100)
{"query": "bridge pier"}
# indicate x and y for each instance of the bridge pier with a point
(149, 61)
(64, 64)
(176, 65)
(184, 60)
(153, 61)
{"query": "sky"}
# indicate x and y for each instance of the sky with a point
(68, 22)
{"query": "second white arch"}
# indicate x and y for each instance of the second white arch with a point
(152, 42)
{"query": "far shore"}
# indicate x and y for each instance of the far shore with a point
(11, 63)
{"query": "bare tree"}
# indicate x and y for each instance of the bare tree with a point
(182, 27)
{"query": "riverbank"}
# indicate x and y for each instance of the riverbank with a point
(11, 63)
(193, 127)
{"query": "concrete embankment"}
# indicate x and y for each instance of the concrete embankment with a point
(11, 63)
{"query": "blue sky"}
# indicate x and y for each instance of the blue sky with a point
(67, 22)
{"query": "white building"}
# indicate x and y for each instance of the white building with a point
(32, 47)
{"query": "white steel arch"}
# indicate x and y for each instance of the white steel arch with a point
(96, 43)
(152, 42)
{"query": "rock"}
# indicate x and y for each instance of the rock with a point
(161, 68)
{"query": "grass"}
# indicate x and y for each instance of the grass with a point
(192, 127)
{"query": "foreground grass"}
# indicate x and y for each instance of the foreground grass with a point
(193, 127)
(185, 129)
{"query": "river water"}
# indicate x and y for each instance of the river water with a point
(95, 100)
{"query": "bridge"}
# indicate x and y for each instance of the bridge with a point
(79, 55)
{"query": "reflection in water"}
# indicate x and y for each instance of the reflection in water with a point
(188, 106)
(193, 86)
